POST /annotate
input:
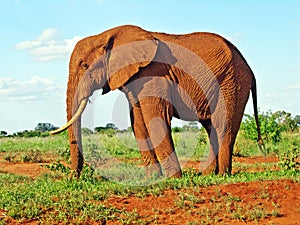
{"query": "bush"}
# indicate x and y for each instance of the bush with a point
(288, 160)
(176, 129)
(108, 132)
(30, 133)
(286, 121)
(269, 126)
(86, 131)
(3, 133)
(45, 127)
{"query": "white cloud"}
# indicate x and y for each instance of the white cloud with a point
(293, 87)
(48, 45)
(48, 34)
(27, 44)
(36, 88)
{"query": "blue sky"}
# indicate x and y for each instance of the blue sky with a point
(37, 38)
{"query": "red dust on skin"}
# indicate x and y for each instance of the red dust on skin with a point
(277, 196)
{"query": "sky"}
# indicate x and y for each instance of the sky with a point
(37, 38)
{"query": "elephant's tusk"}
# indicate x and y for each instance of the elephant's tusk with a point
(73, 119)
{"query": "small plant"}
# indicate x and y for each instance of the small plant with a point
(188, 201)
(58, 167)
(256, 213)
(88, 174)
(33, 156)
(288, 160)
(275, 212)
(264, 195)
(10, 157)
(238, 213)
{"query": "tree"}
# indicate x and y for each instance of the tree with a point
(176, 129)
(297, 119)
(111, 126)
(192, 126)
(269, 126)
(28, 133)
(3, 133)
(285, 120)
(86, 131)
(110, 129)
(43, 127)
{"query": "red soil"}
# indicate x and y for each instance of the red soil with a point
(278, 200)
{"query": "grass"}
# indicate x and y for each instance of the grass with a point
(20, 149)
(232, 205)
(54, 198)
(66, 200)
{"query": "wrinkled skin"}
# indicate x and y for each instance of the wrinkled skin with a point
(158, 89)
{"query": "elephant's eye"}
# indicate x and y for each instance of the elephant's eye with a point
(84, 65)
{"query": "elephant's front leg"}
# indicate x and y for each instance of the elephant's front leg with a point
(157, 114)
(151, 163)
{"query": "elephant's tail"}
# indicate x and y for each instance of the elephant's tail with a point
(254, 97)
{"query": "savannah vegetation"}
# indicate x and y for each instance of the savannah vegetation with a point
(52, 197)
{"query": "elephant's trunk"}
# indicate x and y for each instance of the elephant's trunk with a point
(75, 117)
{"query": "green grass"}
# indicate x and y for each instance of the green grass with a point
(247, 148)
(35, 149)
(65, 200)
(43, 144)
(54, 198)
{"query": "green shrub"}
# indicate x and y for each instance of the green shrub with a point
(288, 160)
(30, 133)
(176, 129)
(32, 156)
(58, 167)
(270, 128)
(286, 121)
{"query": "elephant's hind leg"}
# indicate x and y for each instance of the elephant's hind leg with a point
(149, 158)
(225, 156)
(227, 144)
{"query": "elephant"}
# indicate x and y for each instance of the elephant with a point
(199, 77)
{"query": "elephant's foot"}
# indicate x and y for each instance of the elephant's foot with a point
(178, 174)
(76, 163)
(153, 170)
(224, 169)
(208, 168)
(74, 174)
(225, 162)
(171, 166)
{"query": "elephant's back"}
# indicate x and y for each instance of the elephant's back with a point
(212, 49)
(201, 43)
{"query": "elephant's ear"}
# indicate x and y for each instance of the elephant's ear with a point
(128, 49)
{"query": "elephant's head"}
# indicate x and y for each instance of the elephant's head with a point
(105, 61)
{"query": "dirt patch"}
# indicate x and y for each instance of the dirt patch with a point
(243, 160)
(28, 169)
(253, 160)
(267, 202)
